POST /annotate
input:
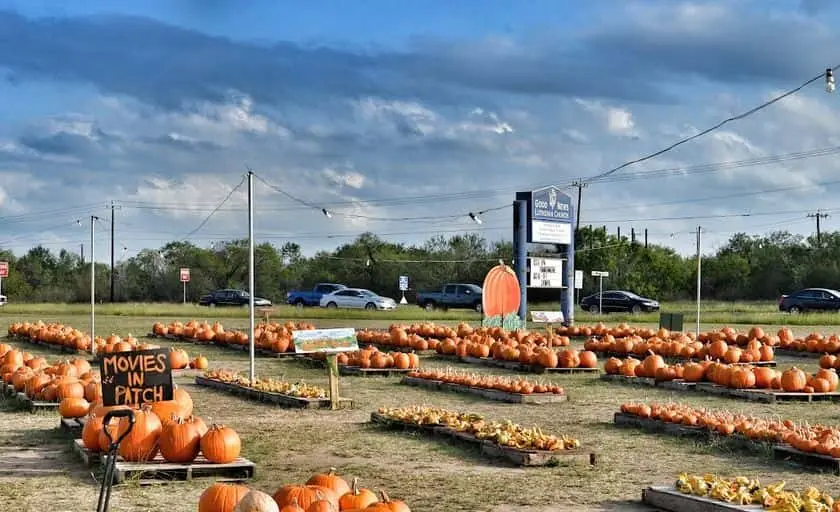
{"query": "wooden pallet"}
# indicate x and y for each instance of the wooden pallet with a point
(9, 390)
(490, 394)
(372, 372)
(811, 460)
(392, 348)
(676, 385)
(798, 353)
(672, 500)
(159, 470)
(72, 426)
(512, 455)
(274, 398)
(277, 355)
(630, 420)
(89, 458)
(50, 346)
(35, 405)
(683, 360)
(765, 396)
(517, 366)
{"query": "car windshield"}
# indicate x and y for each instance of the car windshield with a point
(244, 294)
(632, 295)
(367, 293)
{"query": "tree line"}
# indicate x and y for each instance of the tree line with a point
(747, 267)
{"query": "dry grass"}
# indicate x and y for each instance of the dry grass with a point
(39, 473)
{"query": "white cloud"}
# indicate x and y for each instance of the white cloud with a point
(616, 120)
(350, 179)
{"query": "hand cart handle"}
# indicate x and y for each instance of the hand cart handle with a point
(119, 413)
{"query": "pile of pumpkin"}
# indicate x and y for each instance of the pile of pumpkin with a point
(815, 343)
(527, 352)
(272, 336)
(268, 385)
(820, 439)
(72, 383)
(727, 334)
(52, 334)
(481, 381)
(732, 376)
(684, 347)
(323, 492)
(372, 357)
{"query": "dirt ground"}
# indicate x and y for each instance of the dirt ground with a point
(39, 472)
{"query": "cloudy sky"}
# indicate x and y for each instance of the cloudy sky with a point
(402, 117)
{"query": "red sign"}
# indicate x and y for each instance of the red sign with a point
(4, 269)
(185, 275)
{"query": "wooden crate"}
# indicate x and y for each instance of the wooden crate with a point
(158, 470)
(514, 456)
(490, 394)
(517, 366)
(810, 460)
(88, 457)
(274, 398)
(672, 500)
(72, 426)
(765, 396)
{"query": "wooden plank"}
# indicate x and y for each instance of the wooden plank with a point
(672, 500)
(812, 460)
(88, 457)
(797, 353)
(623, 379)
(382, 372)
(683, 360)
(392, 348)
(490, 394)
(677, 385)
(651, 425)
(515, 456)
(766, 396)
(35, 405)
(274, 398)
(72, 426)
(278, 355)
(517, 366)
(161, 470)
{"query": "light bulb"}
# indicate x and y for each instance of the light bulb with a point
(326, 213)
(830, 85)
(475, 218)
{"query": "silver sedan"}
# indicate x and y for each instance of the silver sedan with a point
(357, 298)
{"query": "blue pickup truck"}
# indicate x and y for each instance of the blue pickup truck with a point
(312, 298)
(457, 295)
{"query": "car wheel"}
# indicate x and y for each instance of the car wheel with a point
(299, 304)
(593, 309)
(212, 304)
(478, 308)
(370, 306)
(636, 309)
(429, 306)
(794, 310)
(332, 305)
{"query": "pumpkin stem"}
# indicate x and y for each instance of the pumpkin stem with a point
(355, 486)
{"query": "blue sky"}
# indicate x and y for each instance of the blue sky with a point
(385, 110)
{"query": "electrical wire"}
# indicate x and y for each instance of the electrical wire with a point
(702, 133)
(206, 219)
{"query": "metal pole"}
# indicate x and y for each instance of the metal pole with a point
(112, 252)
(601, 294)
(185, 292)
(92, 285)
(522, 256)
(569, 292)
(697, 328)
(251, 276)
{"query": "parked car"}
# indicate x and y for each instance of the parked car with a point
(453, 295)
(810, 299)
(230, 297)
(357, 298)
(615, 301)
(312, 298)
(3, 300)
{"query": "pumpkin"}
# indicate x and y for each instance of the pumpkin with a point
(322, 506)
(221, 497)
(90, 432)
(357, 497)
(652, 363)
(183, 398)
(500, 291)
(73, 407)
(178, 358)
(331, 481)
(221, 444)
(141, 443)
(292, 507)
(388, 505)
(694, 372)
(588, 359)
(179, 441)
(764, 377)
(612, 366)
(200, 363)
(794, 379)
(257, 501)
(304, 495)
(741, 378)
(829, 375)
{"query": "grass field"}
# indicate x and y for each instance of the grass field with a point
(37, 471)
(714, 312)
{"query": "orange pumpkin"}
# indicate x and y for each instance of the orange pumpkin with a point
(221, 497)
(500, 291)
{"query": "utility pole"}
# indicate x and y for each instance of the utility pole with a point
(819, 215)
(580, 186)
(93, 219)
(632, 235)
(113, 207)
(82, 253)
(645, 238)
(697, 332)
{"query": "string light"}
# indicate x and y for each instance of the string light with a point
(830, 86)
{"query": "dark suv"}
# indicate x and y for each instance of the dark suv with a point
(230, 298)
(810, 299)
(615, 301)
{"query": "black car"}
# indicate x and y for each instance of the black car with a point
(230, 298)
(615, 301)
(810, 299)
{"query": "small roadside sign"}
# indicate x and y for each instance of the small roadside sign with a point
(185, 275)
(600, 273)
(4, 269)
(403, 283)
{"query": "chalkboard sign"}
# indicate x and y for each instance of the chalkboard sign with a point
(137, 377)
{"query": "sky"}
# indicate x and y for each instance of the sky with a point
(401, 118)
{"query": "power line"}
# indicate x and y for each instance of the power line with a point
(206, 219)
(743, 115)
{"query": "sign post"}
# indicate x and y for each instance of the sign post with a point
(4, 273)
(330, 342)
(549, 318)
(136, 377)
(185, 278)
(578, 285)
(546, 216)
(600, 274)
(403, 288)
